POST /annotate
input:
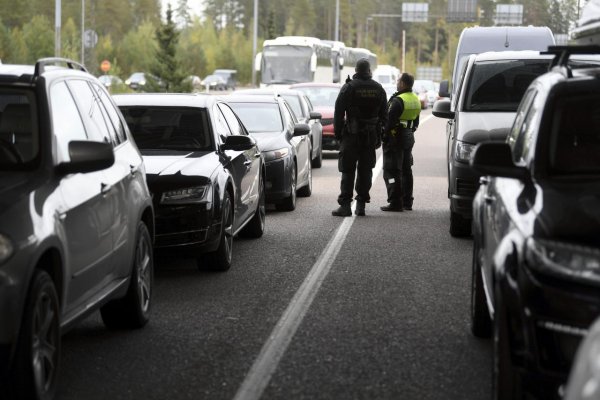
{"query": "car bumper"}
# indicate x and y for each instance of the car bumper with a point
(330, 142)
(548, 319)
(464, 183)
(277, 182)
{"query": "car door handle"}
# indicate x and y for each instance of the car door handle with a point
(489, 199)
(105, 188)
(133, 170)
(249, 162)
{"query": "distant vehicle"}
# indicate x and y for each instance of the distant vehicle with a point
(140, 81)
(588, 27)
(475, 40)
(205, 172)
(303, 109)
(287, 60)
(76, 220)
(230, 77)
(214, 82)
(386, 74)
(426, 90)
(536, 236)
(195, 83)
(283, 143)
(110, 81)
(323, 97)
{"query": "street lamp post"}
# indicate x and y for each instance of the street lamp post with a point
(337, 21)
(254, 38)
(57, 25)
(82, 32)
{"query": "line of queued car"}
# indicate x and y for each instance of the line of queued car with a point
(526, 136)
(92, 184)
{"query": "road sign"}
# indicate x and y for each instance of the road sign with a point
(509, 14)
(105, 66)
(462, 11)
(90, 38)
(415, 12)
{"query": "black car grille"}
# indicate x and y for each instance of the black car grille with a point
(557, 345)
(326, 121)
(466, 188)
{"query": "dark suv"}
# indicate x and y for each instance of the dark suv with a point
(536, 231)
(76, 219)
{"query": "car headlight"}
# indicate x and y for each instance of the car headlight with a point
(6, 248)
(463, 151)
(190, 195)
(276, 154)
(564, 259)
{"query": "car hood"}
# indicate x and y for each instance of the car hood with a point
(570, 211)
(270, 141)
(175, 169)
(476, 127)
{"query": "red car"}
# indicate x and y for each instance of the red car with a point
(323, 96)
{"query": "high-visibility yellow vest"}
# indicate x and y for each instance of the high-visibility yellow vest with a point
(412, 108)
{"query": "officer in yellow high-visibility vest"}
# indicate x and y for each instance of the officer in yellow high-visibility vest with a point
(398, 140)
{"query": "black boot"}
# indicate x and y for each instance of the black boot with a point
(342, 211)
(392, 207)
(360, 208)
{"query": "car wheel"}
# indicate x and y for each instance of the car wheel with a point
(505, 382)
(317, 162)
(306, 191)
(220, 259)
(133, 310)
(459, 226)
(37, 358)
(256, 226)
(481, 324)
(289, 203)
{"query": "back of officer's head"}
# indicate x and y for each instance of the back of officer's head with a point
(407, 79)
(363, 66)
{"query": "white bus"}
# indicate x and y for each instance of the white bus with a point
(297, 59)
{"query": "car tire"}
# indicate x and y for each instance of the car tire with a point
(505, 382)
(133, 310)
(481, 324)
(37, 359)
(459, 226)
(289, 203)
(220, 259)
(317, 162)
(306, 191)
(256, 226)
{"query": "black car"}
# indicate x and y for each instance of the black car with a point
(304, 112)
(76, 220)
(205, 173)
(536, 233)
(284, 144)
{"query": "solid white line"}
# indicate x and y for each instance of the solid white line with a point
(272, 351)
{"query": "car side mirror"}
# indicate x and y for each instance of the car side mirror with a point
(495, 158)
(238, 143)
(301, 129)
(315, 115)
(441, 109)
(444, 90)
(87, 156)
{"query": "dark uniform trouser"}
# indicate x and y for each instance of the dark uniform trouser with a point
(397, 169)
(355, 156)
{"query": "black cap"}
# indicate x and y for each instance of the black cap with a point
(363, 66)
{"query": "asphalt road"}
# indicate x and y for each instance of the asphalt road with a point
(320, 307)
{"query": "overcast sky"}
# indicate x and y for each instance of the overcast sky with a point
(195, 5)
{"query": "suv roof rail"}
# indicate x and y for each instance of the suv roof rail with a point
(43, 62)
(562, 54)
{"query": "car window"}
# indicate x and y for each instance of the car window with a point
(168, 128)
(67, 124)
(518, 126)
(289, 117)
(232, 120)
(221, 123)
(321, 96)
(294, 103)
(575, 135)
(308, 104)
(92, 113)
(259, 117)
(18, 129)
(523, 143)
(118, 130)
(461, 80)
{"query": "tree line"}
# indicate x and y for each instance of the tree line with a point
(129, 31)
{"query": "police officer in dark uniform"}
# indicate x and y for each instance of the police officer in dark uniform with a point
(398, 140)
(362, 102)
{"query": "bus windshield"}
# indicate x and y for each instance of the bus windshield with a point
(286, 64)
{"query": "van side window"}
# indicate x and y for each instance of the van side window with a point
(66, 121)
(520, 136)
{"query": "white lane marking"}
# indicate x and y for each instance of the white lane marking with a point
(274, 348)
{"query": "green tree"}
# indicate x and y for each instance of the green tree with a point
(138, 49)
(70, 40)
(166, 67)
(182, 13)
(5, 43)
(38, 37)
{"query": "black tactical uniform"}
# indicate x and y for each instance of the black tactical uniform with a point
(362, 102)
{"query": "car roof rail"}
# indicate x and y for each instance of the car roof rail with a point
(563, 53)
(43, 62)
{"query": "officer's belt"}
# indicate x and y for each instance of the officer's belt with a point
(407, 124)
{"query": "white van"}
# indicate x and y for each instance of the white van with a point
(386, 74)
(479, 39)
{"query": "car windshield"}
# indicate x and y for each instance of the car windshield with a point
(259, 117)
(500, 85)
(321, 96)
(19, 140)
(286, 64)
(168, 128)
(137, 77)
(575, 138)
(294, 102)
